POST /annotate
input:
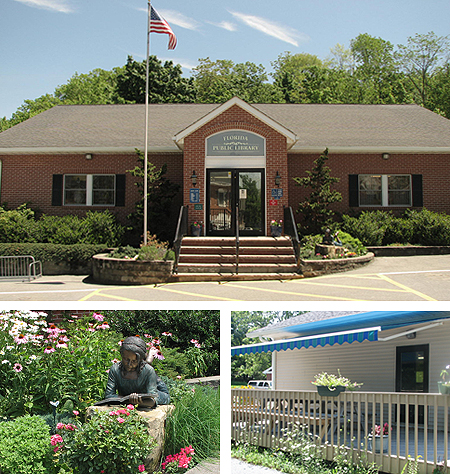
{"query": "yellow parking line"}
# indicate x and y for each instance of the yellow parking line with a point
(90, 295)
(197, 295)
(351, 287)
(409, 290)
(297, 294)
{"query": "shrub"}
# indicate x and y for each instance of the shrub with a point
(17, 225)
(25, 446)
(350, 245)
(116, 442)
(429, 228)
(369, 227)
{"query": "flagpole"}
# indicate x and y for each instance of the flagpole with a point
(146, 127)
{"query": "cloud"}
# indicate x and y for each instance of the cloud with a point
(175, 18)
(226, 25)
(271, 28)
(54, 5)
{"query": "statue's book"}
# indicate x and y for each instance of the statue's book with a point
(148, 401)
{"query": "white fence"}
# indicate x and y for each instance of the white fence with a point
(418, 424)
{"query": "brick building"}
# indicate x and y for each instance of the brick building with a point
(70, 159)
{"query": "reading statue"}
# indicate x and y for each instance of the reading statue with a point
(134, 377)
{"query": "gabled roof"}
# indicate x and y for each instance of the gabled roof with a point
(341, 128)
(290, 136)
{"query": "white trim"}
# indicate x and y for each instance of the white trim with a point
(83, 150)
(370, 149)
(291, 138)
(410, 331)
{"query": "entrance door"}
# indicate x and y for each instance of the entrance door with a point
(235, 193)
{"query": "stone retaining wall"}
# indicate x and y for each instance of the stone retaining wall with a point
(409, 250)
(312, 268)
(116, 271)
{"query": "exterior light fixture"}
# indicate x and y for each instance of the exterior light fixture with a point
(194, 178)
(385, 156)
(411, 335)
(88, 156)
(277, 179)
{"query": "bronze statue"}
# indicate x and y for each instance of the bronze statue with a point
(134, 378)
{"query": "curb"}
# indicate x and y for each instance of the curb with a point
(313, 268)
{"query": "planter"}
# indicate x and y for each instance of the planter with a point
(325, 391)
(378, 443)
(118, 271)
(276, 230)
(443, 389)
(196, 231)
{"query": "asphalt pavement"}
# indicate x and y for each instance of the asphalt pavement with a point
(418, 278)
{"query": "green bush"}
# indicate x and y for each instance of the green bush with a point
(116, 442)
(429, 228)
(78, 254)
(195, 421)
(369, 227)
(25, 446)
(349, 244)
(17, 225)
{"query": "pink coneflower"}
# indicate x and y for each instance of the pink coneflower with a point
(17, 367)
(61, 344)
(21, 339)
(98, 317)
(166, 333)
(49, 350)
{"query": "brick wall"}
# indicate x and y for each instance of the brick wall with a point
(434, 168)
(235, 118)
(28, 178)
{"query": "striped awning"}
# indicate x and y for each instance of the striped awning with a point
(318, 340)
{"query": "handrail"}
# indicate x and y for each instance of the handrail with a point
(182, 230)
(290, 228)
(237, 239)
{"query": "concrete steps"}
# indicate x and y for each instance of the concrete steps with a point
(259, 258)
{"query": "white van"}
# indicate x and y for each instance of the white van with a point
(267, 384)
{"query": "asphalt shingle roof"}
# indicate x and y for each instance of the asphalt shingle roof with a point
(316, 126)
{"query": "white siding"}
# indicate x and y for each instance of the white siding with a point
(372, 363)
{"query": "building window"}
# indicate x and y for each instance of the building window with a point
(89, 190)
(384, 190)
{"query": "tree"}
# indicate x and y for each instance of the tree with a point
(315, 209)
(219, 81)
(421, 56)
(160, 200)
(439, 91)
(165, 83)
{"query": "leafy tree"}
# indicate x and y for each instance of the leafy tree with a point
(439, 91)
(219, 81)
(420, 58)
(341, 59)
(165, 83)
(289, 72)
(161, 193)
(315, 209)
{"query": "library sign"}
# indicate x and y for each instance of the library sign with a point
(238, 143)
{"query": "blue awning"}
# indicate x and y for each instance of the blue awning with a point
(318, 340)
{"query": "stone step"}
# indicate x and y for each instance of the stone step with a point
(231, 268)
(192, 277)
(231, 242)
(253, 259)
(191, 250)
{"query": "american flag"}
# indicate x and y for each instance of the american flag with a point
(159, 25)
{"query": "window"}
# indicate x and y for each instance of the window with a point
(89, 190)
(385, 190)
(412, 368)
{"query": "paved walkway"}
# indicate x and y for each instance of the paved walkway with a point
(206, 467)
(419, 278)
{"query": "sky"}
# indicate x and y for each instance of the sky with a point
(45, 42)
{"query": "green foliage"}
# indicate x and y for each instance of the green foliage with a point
(74, 255)
(180, 328)
(414, 227)
(17, 225)
(154, 250)
(195, 421)
(117, 443)
(315, 209)
(25, 447)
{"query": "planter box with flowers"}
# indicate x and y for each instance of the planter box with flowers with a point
(379, 434)
(444, 385)
(276, 228)
(196, 229)
(330, 385)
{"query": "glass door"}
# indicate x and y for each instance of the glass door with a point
(231, 191)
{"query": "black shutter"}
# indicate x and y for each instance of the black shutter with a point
(57, 190)
(120, 190)
(353, 191)
(417, 190)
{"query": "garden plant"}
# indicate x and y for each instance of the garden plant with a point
(50, 373)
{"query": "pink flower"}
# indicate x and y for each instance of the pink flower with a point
(178, 376)
(55, 439)
(18, 368)
(166, 333)
(141, 468)
(130, 407)
(120, 420)
(76, 412)
(98, 317)
(60, 426)
(194, 341)
(21, 339)
(49, 350)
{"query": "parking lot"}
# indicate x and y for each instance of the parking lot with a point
(420, 278)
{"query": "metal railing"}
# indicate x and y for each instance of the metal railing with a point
(237, 239)
(182, 230)
(417, 424)
(290, 229)
(20, 267)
